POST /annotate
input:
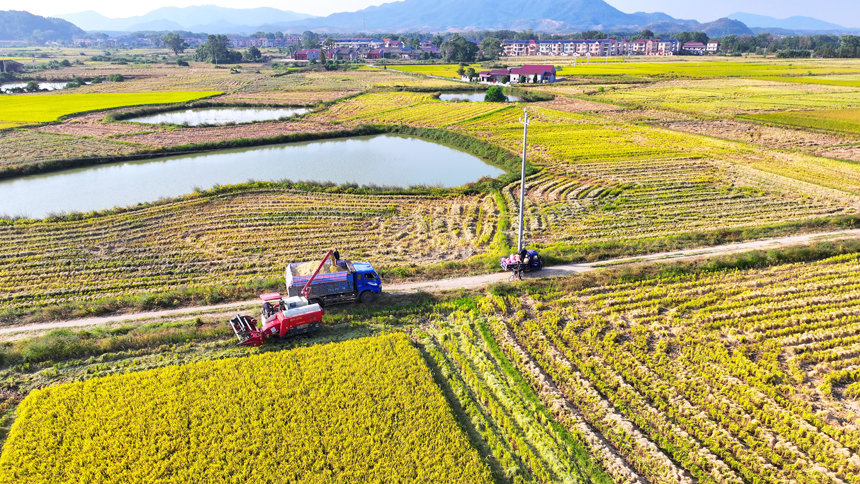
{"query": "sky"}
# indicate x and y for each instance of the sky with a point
(842, 12)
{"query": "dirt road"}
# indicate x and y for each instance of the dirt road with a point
(470, 281)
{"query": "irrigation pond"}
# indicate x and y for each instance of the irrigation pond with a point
(387, 159)
(219, 115)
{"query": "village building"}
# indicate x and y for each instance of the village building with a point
(358, 43)
(697, 48)
(343, 54)
(495, 76)
(307, 55)
(526, 74)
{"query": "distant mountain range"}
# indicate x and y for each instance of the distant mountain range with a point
(560, 16)
(17, 25)
(205, 18)
(451, 15)
(791, 23)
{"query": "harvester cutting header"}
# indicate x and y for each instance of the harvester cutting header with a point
(310, 286)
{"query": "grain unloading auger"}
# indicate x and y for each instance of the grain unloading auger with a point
(281, 318)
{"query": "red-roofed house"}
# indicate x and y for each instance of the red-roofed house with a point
(494, 76)
(533, 74)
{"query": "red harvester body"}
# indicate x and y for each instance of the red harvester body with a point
(281, 318)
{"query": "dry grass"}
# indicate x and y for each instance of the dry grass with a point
(224, 133)
(22, 146)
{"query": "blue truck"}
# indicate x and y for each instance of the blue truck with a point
(357, 281)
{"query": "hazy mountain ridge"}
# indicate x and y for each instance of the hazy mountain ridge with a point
(410, 15)
(560, 16)
(186, 17)
(20, 25)
(790, 23)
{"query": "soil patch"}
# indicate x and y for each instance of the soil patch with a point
(223, 133)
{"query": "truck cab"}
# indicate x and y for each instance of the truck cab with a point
(367, 281)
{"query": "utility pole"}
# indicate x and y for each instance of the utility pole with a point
(525, 122)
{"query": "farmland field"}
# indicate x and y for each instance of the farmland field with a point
(696, 67)
(42, 109)
(738, 369)
(365, 410)
(847, 120)
(449, 70)
(734, 96)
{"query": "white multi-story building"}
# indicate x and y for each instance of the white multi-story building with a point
(357, 43)
(582, 48)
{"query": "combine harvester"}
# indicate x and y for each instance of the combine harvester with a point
(302, 311)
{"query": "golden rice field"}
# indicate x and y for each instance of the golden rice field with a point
(366, 410)
(36, 108)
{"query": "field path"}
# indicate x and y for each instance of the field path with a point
(470, 282)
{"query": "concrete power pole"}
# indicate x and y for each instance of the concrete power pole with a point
(525, 122)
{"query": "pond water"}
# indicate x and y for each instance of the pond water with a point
(472, 97)
(382, 159)
(219, 116)
(51, 86)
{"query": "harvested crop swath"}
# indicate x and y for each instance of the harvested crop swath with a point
(737, 376)
(434, 114)
(370, 104)
(46, 108)
(847, 120)
(843, 80)
(700, 68)
(231, 238)
(507, 416)
(728, 97)
(360, 411)
(449, 70)
(650, 198)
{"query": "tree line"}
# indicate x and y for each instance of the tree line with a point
(486, 45)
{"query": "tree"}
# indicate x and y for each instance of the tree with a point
(459, 49)
(593, 34)
(495, 94)
(471, 73)
(32, 86)
(310, 40)
(329, 45)
(413, 42)
(437, 41)
(491, 47)
(215, 50)
(176, 43)
(253, 54)
(645, 34)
